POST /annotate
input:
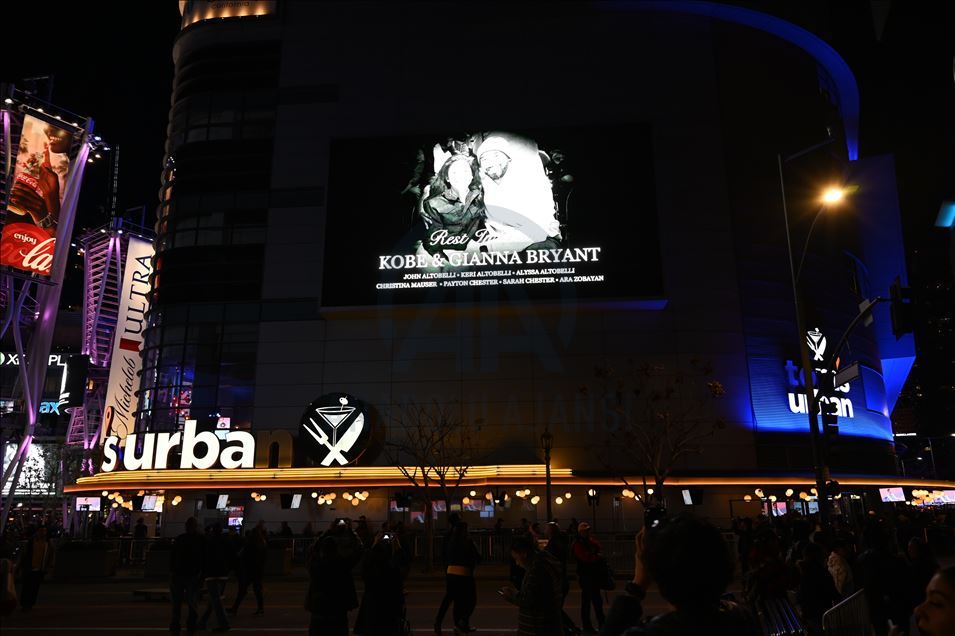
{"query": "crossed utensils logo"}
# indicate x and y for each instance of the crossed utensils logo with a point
(337, 429)
(817, 344)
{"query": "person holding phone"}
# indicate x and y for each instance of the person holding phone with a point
(687, 559)
(540, 598)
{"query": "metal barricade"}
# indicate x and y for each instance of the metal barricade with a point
(849, 618)
(778, 617)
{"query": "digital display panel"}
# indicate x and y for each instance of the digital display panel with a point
(492, 215)
(149, 503)
(892, 494)
(88, 503)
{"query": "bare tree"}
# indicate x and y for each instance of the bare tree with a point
(656, 417)
(434, 448)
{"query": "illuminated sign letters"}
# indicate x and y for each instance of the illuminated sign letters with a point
(197, 450)
(841, 406)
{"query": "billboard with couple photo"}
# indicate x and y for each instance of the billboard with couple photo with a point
(492, 215)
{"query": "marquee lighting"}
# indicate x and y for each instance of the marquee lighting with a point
(804, 495)
(559, 500)
(140, 493)
(364, 494)
(814, 491)
(331, 496)
(772, 498)
(116, 505)
(479, 478)
(489, 495)
(535, 500)
(527, 491)
(519, 493)
(747, 497)
(315, 495)
(567, 495)
(346, 496)
(473, 493)
(262, 497)
(789, 492)
(649, 491)
(355, 502)
(465, 501)
(105, 493)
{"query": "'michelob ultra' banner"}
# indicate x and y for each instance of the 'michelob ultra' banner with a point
(125, 363)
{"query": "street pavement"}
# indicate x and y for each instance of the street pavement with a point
(110, 607)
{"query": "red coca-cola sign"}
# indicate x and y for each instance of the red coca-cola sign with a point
(27, 247)
(44, 159)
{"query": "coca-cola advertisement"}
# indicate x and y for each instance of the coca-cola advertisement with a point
(494, 214)
(43, 165)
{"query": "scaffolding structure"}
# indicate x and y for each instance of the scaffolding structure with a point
(30, 302)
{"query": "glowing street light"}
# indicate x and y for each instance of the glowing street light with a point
(833, 195)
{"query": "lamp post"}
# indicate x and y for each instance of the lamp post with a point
(547, 443)
(829, 198)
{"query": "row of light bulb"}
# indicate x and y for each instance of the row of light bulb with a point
(805, 496)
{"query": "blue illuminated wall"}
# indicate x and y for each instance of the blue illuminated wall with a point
(770, 383)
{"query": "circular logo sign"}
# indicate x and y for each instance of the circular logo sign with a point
(335, 430)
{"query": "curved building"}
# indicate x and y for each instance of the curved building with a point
(537, 220)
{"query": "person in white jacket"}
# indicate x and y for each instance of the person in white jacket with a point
(840, 569)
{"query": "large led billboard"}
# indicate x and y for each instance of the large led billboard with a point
(44, 161)
(550, 214)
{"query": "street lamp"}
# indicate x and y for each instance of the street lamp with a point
(547, 443)
(830, 197)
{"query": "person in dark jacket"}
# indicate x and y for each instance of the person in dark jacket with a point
(218, 562)
(330, 593)
(35, 561)
(185, 567)
(922, 567)
(690, 564)
(885, 577)
(252, 568)
(453, 520)
(463, 557)
(587, 552)
(559, 547)
(817, 592)
(540, 598)
(383, 572)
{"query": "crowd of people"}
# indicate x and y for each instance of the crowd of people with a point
(886, 556)
(687, 560)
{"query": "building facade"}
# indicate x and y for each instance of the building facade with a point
(301, 192)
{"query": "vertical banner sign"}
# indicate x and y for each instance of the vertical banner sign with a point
(125, 363)
(39, 187)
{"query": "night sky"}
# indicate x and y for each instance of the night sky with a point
(901, 53)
